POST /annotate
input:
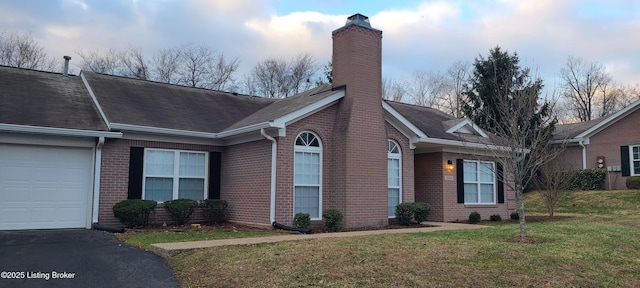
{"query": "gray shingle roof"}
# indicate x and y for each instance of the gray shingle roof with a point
(283, 107)
(435, 123)
(37, 98)
(569, 131)
(153, 104)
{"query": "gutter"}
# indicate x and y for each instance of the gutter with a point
(96, 179)
(58, 131)
(584, 154)
(274, 158)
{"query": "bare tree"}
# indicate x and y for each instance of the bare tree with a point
(458, 75)
(504, 99)
(96, 61)
(221, 73)
(582, 81)
(278, 78)
(22, 51)
(427, 88)
(165, 65)
(553, 180)
(394, 90)
(194, 68)
(301, 70)
(133, 63)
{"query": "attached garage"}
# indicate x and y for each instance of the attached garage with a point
(45, 187)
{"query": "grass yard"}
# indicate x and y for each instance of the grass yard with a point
(595, 243)
(144, 238)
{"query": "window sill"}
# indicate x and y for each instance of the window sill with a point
(480, 205)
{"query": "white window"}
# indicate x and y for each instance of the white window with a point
(394, 178)
(171, 174)
(307, 180)
(635, 160)
(479, 182)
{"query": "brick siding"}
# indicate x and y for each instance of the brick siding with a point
(114, 177)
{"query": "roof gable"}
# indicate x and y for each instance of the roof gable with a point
(463, 126)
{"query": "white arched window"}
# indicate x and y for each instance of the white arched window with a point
(394, 174)
(307, 180)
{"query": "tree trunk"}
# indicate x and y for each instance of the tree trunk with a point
(523, 223)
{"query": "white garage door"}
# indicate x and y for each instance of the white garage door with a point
(43, 187)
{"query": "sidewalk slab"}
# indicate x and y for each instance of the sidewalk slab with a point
(169, 249)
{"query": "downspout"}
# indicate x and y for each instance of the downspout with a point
(96, 180)
(584, 154)
(274, 158)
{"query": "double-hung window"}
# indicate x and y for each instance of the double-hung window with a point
(394, 180)
(479, 182)
(174, 174)
(307, 180)
(635, 160)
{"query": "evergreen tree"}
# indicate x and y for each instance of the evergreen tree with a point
(498, 79)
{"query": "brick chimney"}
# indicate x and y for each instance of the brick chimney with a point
(360, 152)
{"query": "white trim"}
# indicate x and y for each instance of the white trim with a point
(246, 129)
(404, 120)
(157, 130)
(399, 187)
(467, 122)
(95, 100)
(176, 172)
(478, 182)
(58, 131)
(274, 161)
(465, 144)
(631, 160)
(309, 149)
(609, 120)
(96, 179)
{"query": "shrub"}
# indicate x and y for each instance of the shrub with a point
(474, 217)
(495, 217)
(216, 210)
(332, 219)
(587, 179)
(302, 220)
(404, 213)
(421, 211)
(515, 215)
(134, 212)
(633, 182)
(180, 210)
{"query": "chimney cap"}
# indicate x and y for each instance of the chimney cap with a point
(67, 57)
(358, 19)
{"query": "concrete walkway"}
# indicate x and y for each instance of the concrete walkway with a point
(170, 249)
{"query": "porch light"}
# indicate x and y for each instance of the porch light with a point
(449, 166)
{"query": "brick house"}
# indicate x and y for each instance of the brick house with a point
(611, 142)
(335, 146)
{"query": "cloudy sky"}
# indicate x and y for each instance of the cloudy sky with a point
(417, 35)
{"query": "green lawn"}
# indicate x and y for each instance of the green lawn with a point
(597, 246)
(142, 239)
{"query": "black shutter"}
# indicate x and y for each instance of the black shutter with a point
(500, 175)
(215, 164)
(136, 164)
(624, 157)
(460, 180)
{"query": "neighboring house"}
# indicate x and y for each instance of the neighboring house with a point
(611, 142)
(336, 146)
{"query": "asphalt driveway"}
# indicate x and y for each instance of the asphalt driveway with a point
(77, 258)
